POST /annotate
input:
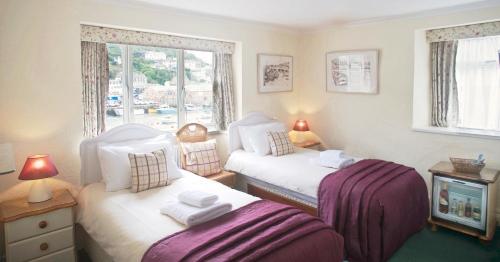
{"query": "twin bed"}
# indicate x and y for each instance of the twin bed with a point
(291, 179)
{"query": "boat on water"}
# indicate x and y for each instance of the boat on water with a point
(139, 111)
(166, 110)
(115, 112)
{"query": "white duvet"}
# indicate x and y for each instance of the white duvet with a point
(293, 171)
(126, 224)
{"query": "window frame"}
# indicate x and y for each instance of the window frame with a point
(421, 114)
(128, 85)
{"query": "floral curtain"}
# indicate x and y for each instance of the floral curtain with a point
(463, 32)
(101, 34)
(223, 90)
(444, 96)
(95, 74)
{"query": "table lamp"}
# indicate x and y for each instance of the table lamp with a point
(7, 163)
(300, 126)
(37, 168)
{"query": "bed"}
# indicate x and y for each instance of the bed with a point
(277, 178)
(390, 209)
(123, 226)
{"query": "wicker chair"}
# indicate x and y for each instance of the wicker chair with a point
(194, 132)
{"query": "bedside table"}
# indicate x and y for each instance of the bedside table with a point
(39, 231)
(464, 202)
(227, 178)
(314, 145)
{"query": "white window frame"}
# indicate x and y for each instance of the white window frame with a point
(128, 86)
(422, 97)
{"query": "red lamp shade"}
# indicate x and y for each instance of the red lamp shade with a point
(38, 167)
(301, 125)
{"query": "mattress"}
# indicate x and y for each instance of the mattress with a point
(293, 174)
(126, 224)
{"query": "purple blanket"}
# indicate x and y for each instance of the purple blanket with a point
(375, 205)
(261, 231)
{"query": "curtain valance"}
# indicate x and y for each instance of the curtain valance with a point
(462, 32)
(119, 36)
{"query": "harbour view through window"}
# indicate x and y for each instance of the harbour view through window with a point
(163, 88)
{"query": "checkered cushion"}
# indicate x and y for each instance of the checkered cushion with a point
(149, 170)
(201, 158)
(280, 143)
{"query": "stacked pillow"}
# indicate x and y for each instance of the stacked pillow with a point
(116, 167)
(256, 138)
(201, 157)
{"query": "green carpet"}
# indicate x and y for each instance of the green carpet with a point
(447, 245)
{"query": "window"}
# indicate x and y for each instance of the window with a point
(457, 80)
(160, 87)
(477, 73)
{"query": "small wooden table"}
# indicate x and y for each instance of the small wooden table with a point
(488, 177)
(227, 178)
(315, 145)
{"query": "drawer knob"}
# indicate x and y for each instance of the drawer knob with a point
(42, 224)
(44, 246)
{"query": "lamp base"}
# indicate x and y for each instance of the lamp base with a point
(39, 191)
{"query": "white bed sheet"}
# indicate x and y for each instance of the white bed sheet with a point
(126, 224)
(293, 171)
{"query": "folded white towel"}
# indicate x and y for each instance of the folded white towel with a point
(190, 215)
(197, 198)
(331, 155)
(333, 159)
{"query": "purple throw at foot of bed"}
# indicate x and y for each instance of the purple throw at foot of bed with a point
(260, 231)
(375, 205)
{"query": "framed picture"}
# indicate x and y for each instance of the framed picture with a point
(352, 71)
(275, 73)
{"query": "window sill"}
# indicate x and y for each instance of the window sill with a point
(487, 134)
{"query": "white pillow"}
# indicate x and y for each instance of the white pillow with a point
(115, 165)
(245, 139)
(257, 136)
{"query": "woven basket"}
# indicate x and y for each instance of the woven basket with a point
(463, 165)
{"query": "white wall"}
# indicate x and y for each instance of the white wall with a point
(40, 99)
(379, 126)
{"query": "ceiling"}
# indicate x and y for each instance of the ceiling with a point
(308, 14)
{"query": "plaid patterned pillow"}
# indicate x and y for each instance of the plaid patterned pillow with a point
(149, 170)
(201, 158)
(280, 143)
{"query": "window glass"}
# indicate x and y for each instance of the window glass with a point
(198, 78)
(114, 102)
(478, 83)
(144, 87)
(155, 87)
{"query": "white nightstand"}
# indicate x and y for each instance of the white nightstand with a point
(39, 231)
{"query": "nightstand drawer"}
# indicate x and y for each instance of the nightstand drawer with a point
(36, 225)
(39, 246)
(66, 255)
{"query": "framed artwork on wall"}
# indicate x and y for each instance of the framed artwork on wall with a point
(275, 73)
(352, 71)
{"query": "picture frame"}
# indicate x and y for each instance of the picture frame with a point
(274, 73)
(354, 71)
